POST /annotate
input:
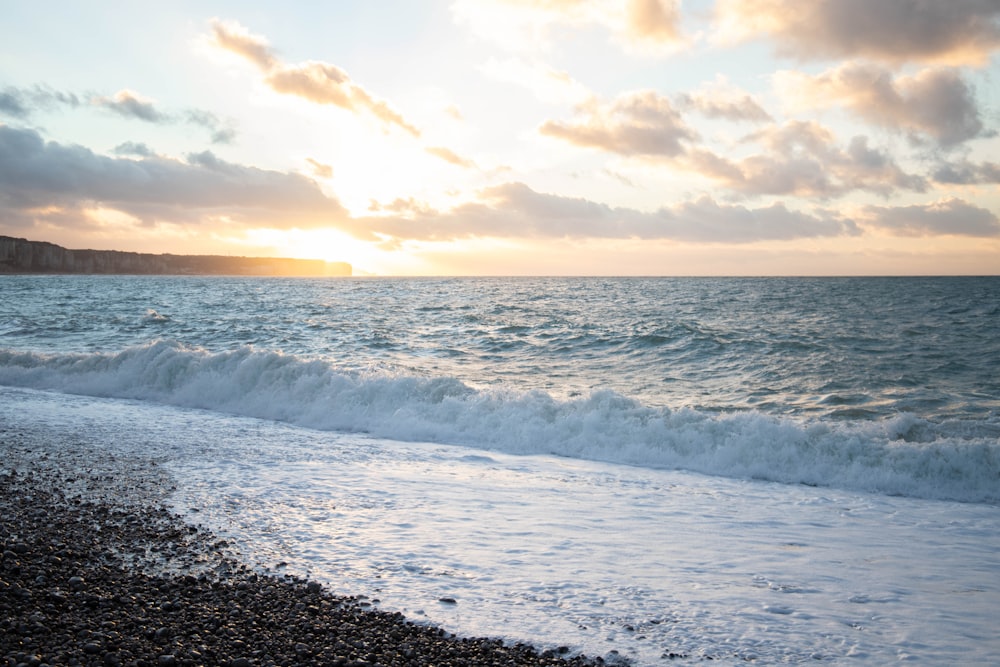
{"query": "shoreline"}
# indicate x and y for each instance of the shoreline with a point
(94, 570)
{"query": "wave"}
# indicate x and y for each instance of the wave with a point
(902, 455)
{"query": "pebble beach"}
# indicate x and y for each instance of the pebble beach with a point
(96, 571)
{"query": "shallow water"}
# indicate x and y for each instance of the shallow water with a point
(598, 557)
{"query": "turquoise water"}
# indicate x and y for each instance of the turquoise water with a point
(781, 471)
(791, 379)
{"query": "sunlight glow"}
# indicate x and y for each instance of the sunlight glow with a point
(327, 244)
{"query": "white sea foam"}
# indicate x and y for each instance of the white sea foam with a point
(152, 316)
(594, 556)
(903, 455)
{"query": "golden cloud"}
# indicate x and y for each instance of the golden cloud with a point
(640, 123)
(318, 82)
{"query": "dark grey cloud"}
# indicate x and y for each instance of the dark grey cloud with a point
(12, 103)
(514, 210)
(42, 179)
(798, 158)
(129, 104)
(220, 132)
(950, 216)
(935, 102)
(893, 31)
(967, 173)
(803, 159)
(133, 148)
(21, 103)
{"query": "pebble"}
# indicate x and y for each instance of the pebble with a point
(105, 575)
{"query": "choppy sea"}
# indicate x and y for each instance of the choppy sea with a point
(650, 470)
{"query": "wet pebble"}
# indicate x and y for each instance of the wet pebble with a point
(107, 576)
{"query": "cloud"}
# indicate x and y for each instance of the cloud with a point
(635, 124)
(235, 38)
(798, 158)
(549, 85)
(514, 210)
(653, 20)
(967, 173)
(221, 132)
(319, 169)
(23, 102)
(131, 105)
(39, 180)
(133, 148)
(948, 216)
(317, 82)
(956, 32)
(58, 184)
(527, 25)
(720, 99)
(12, 103)
(450, 156)
(802, 158)
(935, 101)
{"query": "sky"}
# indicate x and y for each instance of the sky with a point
(511, 137)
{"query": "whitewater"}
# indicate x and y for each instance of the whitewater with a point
(650, 470)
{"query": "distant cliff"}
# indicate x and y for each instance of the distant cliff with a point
(23, 256)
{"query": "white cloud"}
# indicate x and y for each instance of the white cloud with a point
(547, 84)
(528, 25)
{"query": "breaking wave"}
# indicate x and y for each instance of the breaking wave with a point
(900, 455)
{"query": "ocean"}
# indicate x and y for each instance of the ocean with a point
(656, 471)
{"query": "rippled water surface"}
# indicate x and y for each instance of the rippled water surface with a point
(849, 348)
(767, 470)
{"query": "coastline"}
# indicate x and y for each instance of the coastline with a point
(94, 570)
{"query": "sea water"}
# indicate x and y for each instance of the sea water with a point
(656, 470)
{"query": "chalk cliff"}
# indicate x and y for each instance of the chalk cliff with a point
(23, 256)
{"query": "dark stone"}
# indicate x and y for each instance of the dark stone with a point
(172, 597)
